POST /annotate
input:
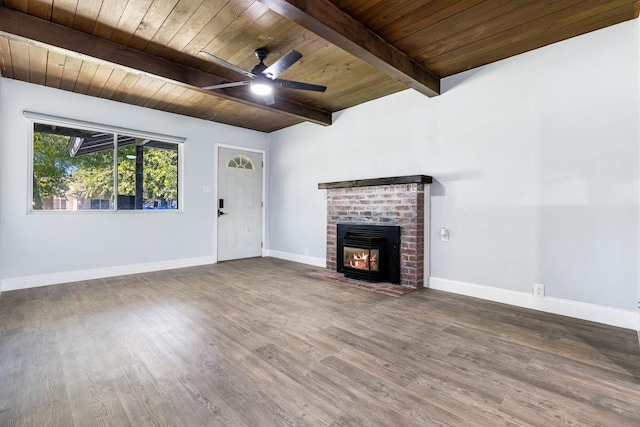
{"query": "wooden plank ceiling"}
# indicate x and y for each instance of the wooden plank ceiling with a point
(145, 52)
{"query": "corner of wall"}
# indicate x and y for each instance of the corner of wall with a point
(637, 38)
(303, 259)
(1, 168)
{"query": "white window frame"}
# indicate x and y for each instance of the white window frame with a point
(34, 117)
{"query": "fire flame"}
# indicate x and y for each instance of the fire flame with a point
(361, 260)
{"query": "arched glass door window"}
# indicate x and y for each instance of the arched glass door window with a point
(240, 161)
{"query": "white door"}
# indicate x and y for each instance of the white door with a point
(239, 204)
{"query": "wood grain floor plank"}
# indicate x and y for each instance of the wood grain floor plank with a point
(587, 390)
(260, 342)
(401, 408)
(258, 409)
(205, 401)
(293, 395)
(359, 409)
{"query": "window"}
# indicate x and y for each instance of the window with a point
(240, 161)
(78, 168)
(147, 174)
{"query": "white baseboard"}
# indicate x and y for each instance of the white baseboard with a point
(99, 273)
(595, 313)
(303, 259)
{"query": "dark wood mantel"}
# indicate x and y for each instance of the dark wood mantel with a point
(409, 179)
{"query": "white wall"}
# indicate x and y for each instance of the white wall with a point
(44, 248)
(536, 159)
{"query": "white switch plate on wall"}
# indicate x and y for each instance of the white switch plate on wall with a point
(444, 234)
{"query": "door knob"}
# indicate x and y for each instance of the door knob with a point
(220, 213)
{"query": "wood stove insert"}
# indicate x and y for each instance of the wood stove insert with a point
(369, 252)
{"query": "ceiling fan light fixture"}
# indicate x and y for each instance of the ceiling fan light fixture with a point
(264, 79)
(260, 88)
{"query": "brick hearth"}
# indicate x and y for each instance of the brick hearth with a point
(386, 201)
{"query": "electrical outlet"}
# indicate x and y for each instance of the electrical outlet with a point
(538, 290)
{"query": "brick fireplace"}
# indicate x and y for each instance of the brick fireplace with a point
(399, 201)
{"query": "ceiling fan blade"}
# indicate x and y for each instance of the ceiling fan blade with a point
(226, 64)
(278, 67)
(225, 85)
(289, 84)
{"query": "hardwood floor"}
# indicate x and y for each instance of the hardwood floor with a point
(260, 342)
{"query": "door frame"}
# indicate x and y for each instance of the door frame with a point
(216, 171)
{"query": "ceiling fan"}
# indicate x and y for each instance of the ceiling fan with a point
(263, 78)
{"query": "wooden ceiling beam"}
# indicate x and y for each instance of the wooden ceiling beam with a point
(329, 22)
(19, 26)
